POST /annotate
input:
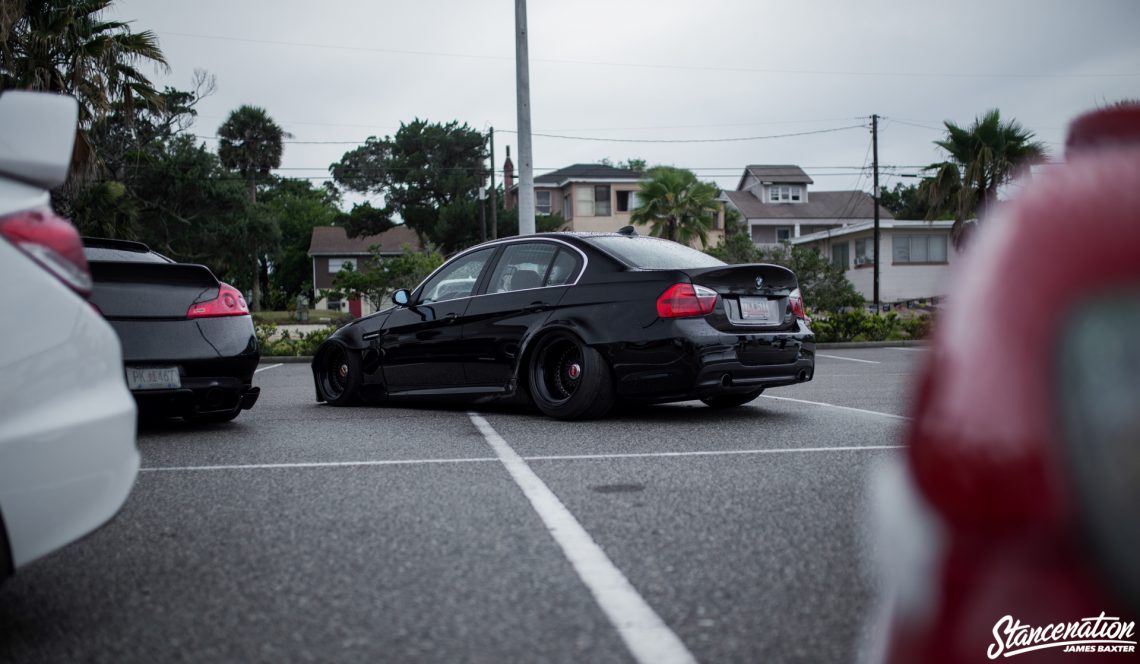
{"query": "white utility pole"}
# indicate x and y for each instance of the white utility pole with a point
(526, 159)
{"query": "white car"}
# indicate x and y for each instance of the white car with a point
(68, 456)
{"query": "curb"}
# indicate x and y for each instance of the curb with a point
(903, 343)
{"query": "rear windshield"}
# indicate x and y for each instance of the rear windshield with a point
(125, 255)
(654, 253)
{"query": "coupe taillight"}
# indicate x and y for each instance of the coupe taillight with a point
(796, 299)
(686, 300)
(53, 243)
(229, 302)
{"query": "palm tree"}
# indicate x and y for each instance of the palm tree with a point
(676, 205)
(65, 47)
(251, 143)
(984, 156)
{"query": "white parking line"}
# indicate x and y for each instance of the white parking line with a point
(849, 359)
(912, 349)
(709, 453)
(544, 457)
(648, 638)
(317, 464)
(272, 366)
(831, 405)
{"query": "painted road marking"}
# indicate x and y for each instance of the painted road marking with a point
(700, 453)
(831, 405)
(849, 359)
(913, 349)
(648, 638)
(272, 366)
(320, 464)
(545, 457)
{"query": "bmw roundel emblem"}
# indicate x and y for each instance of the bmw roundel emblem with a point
(759, 281)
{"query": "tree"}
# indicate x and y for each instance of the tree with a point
(905, 201)
(295, 207)
(982, 157)
(66, 47)
(428, 173)
(251, 143)
(380, 276)
(676, 205)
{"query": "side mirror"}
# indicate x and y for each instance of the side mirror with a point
(402, 297)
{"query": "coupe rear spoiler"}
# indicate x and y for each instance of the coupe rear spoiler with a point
(150, 290)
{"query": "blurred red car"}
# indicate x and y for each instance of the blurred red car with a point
(1013, 528)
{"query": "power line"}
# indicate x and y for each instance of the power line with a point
(693, 140)
(600, 139)
(636, 65)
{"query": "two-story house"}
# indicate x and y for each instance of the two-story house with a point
(777, 204)
(332, 250)
(591, 197)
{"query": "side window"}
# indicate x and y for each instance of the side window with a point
(458, 279)
(565, 268)
(523, 266)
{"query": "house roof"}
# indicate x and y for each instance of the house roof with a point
(579, 172)
(334, 241)
(783, 174)
(887, 225)
(820, 205)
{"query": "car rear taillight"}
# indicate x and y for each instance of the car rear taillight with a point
(685, 300)
(796, 299)
(53, 243)
(229, 302)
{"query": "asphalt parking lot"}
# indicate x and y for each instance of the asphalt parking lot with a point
(302, 532)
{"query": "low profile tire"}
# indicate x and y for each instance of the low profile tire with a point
(339, 375)
(569, 380)
(731, 400)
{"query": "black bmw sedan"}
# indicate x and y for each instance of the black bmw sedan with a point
(577, 322)
(189, 344)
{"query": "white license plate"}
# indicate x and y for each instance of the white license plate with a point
(756, 308)
(153, 378)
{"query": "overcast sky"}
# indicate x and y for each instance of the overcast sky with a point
(657, 70)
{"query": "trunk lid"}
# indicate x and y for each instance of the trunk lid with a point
(150, 290)
(752, 297)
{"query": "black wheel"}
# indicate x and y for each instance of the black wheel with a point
(569, 380)
(731, 400)
(339, 375)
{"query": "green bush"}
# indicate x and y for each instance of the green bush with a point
(305, 344)
(860, 325)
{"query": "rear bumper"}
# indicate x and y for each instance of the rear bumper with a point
(216, 358)
(693, 360)
(198, 396)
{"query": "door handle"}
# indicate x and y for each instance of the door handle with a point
(450, 318)
(535, 307)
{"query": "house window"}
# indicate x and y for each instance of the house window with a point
(783, 233)
(541, 201)
(924, 248)
(602, 200)
(567, 207)
(338, 264)
(839, 255)
(784, 193)
(584, 201)
(627, 201)
(864, 251)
